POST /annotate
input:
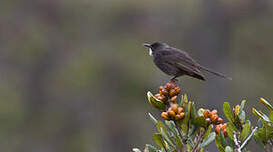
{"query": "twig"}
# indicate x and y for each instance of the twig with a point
(188, 127)
(200, 138)
(164, 146)
(179, 131)
(248, 138)
(237, 145)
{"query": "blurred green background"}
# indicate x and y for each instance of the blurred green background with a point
(74, 73)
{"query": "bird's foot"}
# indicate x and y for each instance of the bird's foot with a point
(174, 80)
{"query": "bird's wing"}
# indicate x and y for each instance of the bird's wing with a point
(185, 57)
(182, 60)
(179, 57)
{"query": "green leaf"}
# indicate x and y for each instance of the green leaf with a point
(193, 111)
(260, 123)
(260, 115)
(153, 118)
(219, 143)
(167, 138)
(159, 140)
(248, 138)
(184, 123)
(178, 142)
(269, 131)
(227, 112)
(271, 116)
(230, 142)
(242, 106)
(151, 148)
(266, 103)
(199, 121)
(136, 150)
(228, 149)
(208, 131)
(245, 130)
(189, 111)
(155, 102)
(265, 133)
(242, 117)
(159, 126)
(208, 140)
(186, 120)
(238, 122)
(185, 98)
(192, 130)
(181, 101)
(222, 137)
(172, 128)
(190, 143)
(230, 129)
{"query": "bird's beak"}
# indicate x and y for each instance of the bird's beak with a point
(147, 45)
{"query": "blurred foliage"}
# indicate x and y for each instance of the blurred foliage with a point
(193, 132)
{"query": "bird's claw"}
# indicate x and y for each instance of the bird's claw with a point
(174, 80)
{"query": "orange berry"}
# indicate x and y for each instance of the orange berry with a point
(214, 118)
(179, 109)
(206, 113)
(161, 88)
(173, 83)
(173, 99)
(182, 115)
(168, 86)
(224, 126)
(213, 112)
(217, 129)
(225, 132)
(164, 98)
(164, 115)
(175, 108)
(172, 92)
(220, 120)
(177, 90)
(177, 117)
(164, 92)
(171, 113)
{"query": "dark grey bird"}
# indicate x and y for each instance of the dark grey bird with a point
(176, 63)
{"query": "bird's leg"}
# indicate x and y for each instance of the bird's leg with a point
(174, 79)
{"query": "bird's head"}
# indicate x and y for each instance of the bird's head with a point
(154, 47)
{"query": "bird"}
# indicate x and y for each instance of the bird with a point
(176, 63)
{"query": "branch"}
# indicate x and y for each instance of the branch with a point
(248, 138)
(179, 131)
(200, 138)
(237, 145)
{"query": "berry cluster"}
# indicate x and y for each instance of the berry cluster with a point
(223, 127)
(212, 117)
(173, 113)
(168, 93)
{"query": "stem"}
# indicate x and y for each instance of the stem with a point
(237, 145)
(188, 127)
(200, 138)
(248, 138)
(179, 130)
(164, 147)
(271, 142)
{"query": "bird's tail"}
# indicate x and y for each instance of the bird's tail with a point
(215, 73)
